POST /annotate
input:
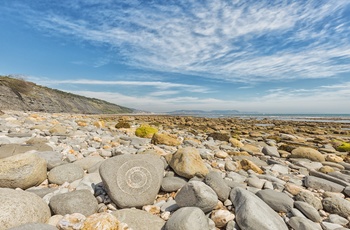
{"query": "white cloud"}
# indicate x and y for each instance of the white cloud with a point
(240, 41)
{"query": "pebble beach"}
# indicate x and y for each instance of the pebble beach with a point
(153, 172)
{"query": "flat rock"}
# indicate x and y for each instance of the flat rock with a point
(88, 162)
(308, 210)
(309, 198)
(79, 201)
(132, 180)
(14, 149)
(252, 213)
(22, 171)
(301, 223)
(319, 183)
(187, 218)
(337, 205)
(164, 139)
(172, 183)
(214, 180)
(278, 201)
(188, 163)
(34, 226)
(270, 151)
(197, 194)
(309, 153)
(65, 173)
(138, 219)
(20, 207)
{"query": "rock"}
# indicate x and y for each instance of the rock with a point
(249, 165)
(89, 182)
(326, 169)
(164, 139)
(236, 143)
(270, 151)
(255, 182)
(79, 201)
(36, 226)
(217, 183)
(187, 163)
(336, 219)
(230, 166)
(337, 205)
(309, 153)
(71, 221)
(132, 180)
(172, 183)
(251, 149)
(301, 223)
(253, 213)
(197, 194)
(309, 198)
(145, 131)
(347, 190)
(88, 162)
(65, 173)
(280, 169)
(278, 201)
(331, 226)
(138, 219)
(15, 149)
(102, 221)
(333, 158)
(169, 206)
(319, 183)
(187, 218)
(293, 189)
(219, 136)
(221, 154)
(52, 158)
(308, 210)
(20, 207)
(22, 171)
(221, 217)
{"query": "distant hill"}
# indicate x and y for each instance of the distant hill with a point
(18, 94)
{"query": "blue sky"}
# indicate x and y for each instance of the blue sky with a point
(248, 55)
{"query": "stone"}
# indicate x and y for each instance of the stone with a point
(36, 226)
(71, 221)
(331, 226)
(145, 131)
(197, 194)
(308, 153)
(319, 183)
(253, 213)
(20, 207)
(255, 182)
(280, 169)
(333, 158)
(187, 163)
(138, 219)
(187, 218)
(270, 151)
(301, 223)
(336, 219)
(251, 149)
(15, 149)
(172, 183)
(221, 154)
(214, 180)
(221, 217)
(326, 169)
(337, 205)
(22, 171)
(309, 198)
(292, 188)
(347, 190)
(230, 166)
(101, 221)
(164, 139)
(132, 180)
(89, 161)
(89, 182)
(236, 143)
(308, 210)
(169, 206)
(65, 173)
(249, 165)
(52, 158)
(79, 201)
(278, 201)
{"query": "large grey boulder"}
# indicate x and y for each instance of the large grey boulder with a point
(337, 205)
(20, 207)
(197, 194)
(138, 219)
(278, 201)
(301, 223)
(217, 183)
(252, 213)
(65, 173)
(187, 218)
(319, 183)
(22, 171)
(132, 180)
(79, 201)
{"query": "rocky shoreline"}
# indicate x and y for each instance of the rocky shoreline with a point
(69, 171)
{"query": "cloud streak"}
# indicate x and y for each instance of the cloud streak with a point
(246, 41)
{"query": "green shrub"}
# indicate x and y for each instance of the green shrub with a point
(145, 131)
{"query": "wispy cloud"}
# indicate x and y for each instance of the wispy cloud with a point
(235, 41)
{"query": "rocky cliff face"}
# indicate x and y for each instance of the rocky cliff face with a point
(17, 94)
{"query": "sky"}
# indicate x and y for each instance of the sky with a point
(267, 56)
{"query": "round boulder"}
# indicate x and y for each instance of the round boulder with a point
(65, 173)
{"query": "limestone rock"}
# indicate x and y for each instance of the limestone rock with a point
(278, 201)
(309, 153)
(197, 194)
(319, 183)
(34, 226)
(247, 165)
(20, 207)
(308, 210)
(187, 162)
(172, 183)
(22, 171)
(132, 180)
(187, 218)
(221, 217)
(79, 201)
(217, 183)
(236, 143)
(252, 213)
(102, 221)
(138, 219)
(302, 223)
(71, 221)
(337, 205)
(65, 173)
(309, 198)
(270, 151)
(164, 139)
